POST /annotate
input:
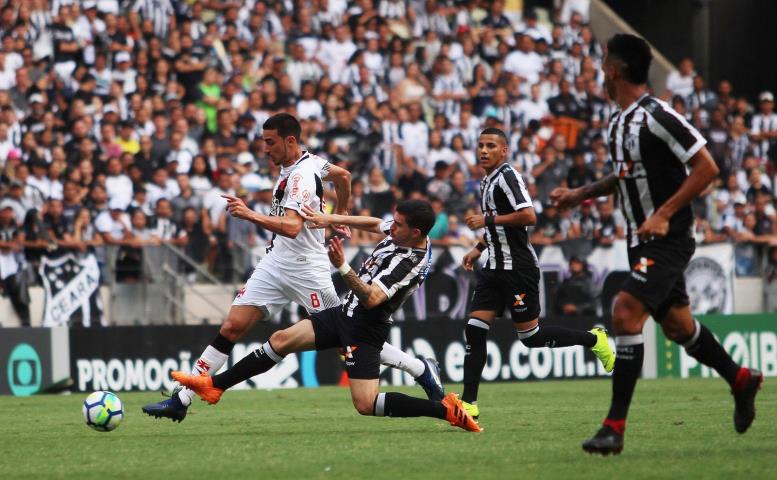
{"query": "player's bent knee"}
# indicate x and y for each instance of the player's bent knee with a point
(280, 341)
(627, 314)
(364, 406)
(232, 330)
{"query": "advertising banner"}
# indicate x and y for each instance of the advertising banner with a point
(141, 358)
(32, 359)
(749, 339)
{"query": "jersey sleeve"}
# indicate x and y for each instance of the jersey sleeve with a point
(401, 272)
(321, 164)
(300, 190)
(385, 227)
(514, 189)
(674, 130)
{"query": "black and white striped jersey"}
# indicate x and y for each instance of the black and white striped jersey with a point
(398, 271)
(503, 192)
(650, 145)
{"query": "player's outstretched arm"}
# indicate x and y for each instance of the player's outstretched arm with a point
(322, 220)
(288, 225)
(565, 198)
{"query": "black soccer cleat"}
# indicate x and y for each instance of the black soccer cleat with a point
(430, 380)
(744, 398)
(605, 442)
(171, 408)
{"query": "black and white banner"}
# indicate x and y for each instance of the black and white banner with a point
(709, 279)
(72, 287)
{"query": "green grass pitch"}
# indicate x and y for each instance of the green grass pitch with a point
(677, 429)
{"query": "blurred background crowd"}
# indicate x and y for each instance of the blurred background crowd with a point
(122, 122)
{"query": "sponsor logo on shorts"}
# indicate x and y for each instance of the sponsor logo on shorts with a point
(347, 353)
(639, 277)
(643, 264)
(519, 300)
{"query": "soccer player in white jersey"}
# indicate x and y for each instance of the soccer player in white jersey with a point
(296, 267)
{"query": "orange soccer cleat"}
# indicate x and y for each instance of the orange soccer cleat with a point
(201, 384)
(457, 416)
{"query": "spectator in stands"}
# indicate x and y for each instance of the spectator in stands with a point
(577, 294)
(12, 279)
(607, 229)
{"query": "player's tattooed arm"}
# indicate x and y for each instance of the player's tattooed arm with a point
(605, 186)
(368, 295)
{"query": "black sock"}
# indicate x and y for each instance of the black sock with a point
(222, 344)
(393, 404)
(707, 350)
(256, 362)
(630, 352)
(475, 333)
(555, 337)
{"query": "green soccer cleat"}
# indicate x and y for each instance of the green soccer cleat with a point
(472, 409)
(602, 349)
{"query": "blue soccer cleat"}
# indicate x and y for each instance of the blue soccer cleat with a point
(430, 380)
(171, 408)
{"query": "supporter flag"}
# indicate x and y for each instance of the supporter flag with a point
(72, 290)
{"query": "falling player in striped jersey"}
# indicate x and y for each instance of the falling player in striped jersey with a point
(359, 327)
(296, 267)
(651, 148)
(510, 277)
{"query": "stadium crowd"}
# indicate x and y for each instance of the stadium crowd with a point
(122, 122)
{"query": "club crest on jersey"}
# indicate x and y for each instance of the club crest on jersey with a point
(241, 292)
(643, 264)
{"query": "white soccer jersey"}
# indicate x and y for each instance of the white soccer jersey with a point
(300, 184)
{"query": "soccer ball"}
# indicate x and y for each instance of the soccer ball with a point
(103, 411)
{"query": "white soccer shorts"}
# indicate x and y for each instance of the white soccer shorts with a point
(272, 286)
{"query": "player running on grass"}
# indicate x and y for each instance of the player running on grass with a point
(295, 268)
(510, 276)
(652, 147)
(359, 327)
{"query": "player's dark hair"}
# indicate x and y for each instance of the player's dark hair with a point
(418, 213)
(286, 124)
(495, 131)
(635, 54)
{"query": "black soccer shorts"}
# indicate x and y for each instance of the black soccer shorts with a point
(361, 355)
(657, 275)
(518, 290)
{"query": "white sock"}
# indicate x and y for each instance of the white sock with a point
(394, 357)
(211, 362)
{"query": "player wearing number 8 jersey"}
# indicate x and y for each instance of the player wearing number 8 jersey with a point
(296, 267)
